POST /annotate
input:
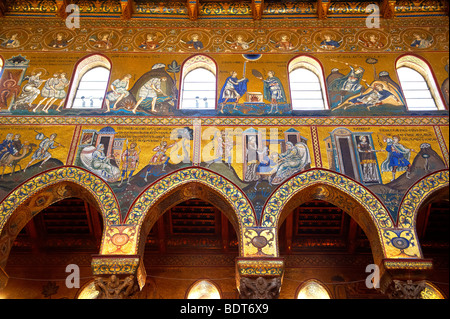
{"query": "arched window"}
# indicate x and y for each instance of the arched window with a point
(419, 88)
(198, 85)
(1, 66)
(89, 83)
(431, 292)
(312, 289)
(203, 289)
(307, 85)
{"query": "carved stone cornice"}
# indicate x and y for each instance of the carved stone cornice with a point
(259, 288)
(408, 289)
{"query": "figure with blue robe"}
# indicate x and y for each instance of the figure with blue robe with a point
(398, 159)
(343, 87)
(232, 90)
(374, 97)
(7, 147)
(329, 43)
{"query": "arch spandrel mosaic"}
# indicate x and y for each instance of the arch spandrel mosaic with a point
(256, 144)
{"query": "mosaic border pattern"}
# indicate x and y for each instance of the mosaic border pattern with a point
(235, 121)
(95, 185)
(286, 191)
(260, 267)
(237, 199)
(417, 194)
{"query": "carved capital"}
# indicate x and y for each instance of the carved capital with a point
(113, 287)
(259, 288)
(259, 278)
(408, 289)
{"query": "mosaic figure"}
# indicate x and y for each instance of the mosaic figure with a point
(42, 153)
(12, 42)
(150, 42)
(295, 159)
(59, 41)
(31, 90)
(329, 43)
(150, 90)
(130, 162)
(159, 158)
(398, 159)
(273, 91)
(232, 90)
(194, 42)
(420, 42)
(368, 160)
(119, 91)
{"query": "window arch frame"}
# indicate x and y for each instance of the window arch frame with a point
(195, 283)
(312, 280)
(186, 69)
(2, 65)
(77, 75)
(315, 67)
(426, 71)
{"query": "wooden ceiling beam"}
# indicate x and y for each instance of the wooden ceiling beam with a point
(322, 8)
(387, 9)
(2, 9)
(127, 9)
(193, 7)
(257, 9)
(61, 8)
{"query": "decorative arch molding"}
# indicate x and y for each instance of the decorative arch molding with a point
(418, 194)
(94, 185)
(352, 197)
(275, 205)
(185, 184)
(233, 194)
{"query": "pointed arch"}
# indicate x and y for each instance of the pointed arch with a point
(97, 188)
(187, 184)
(418, 194)
(41, 191)
(350, 196)
(312, 289)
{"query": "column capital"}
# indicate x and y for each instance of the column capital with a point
(259, 278)
(122, 266)
(401, 277)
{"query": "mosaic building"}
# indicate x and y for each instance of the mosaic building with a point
(228, 149)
